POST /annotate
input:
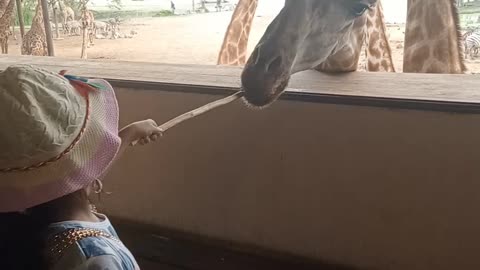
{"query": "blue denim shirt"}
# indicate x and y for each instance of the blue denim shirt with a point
(93, 253)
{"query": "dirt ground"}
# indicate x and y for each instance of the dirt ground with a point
(191, 39)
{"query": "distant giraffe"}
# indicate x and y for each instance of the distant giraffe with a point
(377, 46)
(88, 22)
(67, 14)
(234, 47)
(35, 42)
(88, 26)
(5, 21)
(3, 6)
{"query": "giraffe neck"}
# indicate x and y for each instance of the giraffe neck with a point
(378, 50)
(432, 38)
(37, 23)
(3, 6)
(371, 31)
(235, 43)
(6, 18)
(347, 58)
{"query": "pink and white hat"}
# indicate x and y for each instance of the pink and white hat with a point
(57, 135)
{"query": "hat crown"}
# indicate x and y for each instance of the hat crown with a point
(41, 116)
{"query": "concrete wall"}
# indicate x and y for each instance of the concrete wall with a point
(373, 187)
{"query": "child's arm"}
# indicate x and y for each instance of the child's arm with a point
(142, 132)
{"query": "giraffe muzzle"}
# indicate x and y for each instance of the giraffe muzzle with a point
(264, 78)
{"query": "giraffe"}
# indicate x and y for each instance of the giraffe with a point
(3, 6)
(328, 35)
(35, 42)
(67, 14)
(234, 47)
(432, 38)
(88, 27)
(377, 46)
(5, 21)
(88, 23)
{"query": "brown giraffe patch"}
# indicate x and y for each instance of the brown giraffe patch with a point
(373, 66)
(432, 37)
(237, 34)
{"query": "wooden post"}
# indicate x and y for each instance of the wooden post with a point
(20, 17)
(48, 29)
(57, 34)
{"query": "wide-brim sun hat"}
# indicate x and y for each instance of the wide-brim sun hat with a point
(57, 135)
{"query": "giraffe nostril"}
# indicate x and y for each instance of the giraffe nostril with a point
(274, 65)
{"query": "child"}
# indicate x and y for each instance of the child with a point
(58, 136)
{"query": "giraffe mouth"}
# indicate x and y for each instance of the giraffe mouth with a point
(260, 96)
(264, 79)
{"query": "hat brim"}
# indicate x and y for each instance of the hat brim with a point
(89, 159)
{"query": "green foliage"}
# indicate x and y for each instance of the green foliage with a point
(124, 14)
(115, 4)
(76, 5)
(163, 13)
(28, 11)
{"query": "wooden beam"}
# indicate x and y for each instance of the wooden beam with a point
(440, 92)
(157, 248)
(48, 29)
(21, 22)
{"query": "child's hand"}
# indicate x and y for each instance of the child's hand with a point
(142, 132)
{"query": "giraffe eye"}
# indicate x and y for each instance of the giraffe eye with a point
(359, 9)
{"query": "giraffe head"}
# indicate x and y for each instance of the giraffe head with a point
(303, 35)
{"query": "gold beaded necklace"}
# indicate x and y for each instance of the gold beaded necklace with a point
(57, 244)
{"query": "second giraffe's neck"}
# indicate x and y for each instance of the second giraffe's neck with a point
(6, 17)
(432, 38)
(378, 50)
(38, 18)
(372, 31)
(346, 59)
(235, 43)
(3, 6)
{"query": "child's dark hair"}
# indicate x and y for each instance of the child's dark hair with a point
(22, 241)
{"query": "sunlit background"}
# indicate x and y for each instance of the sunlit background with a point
(193, 33)
(395, 10)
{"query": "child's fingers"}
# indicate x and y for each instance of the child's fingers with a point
(146, 140)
